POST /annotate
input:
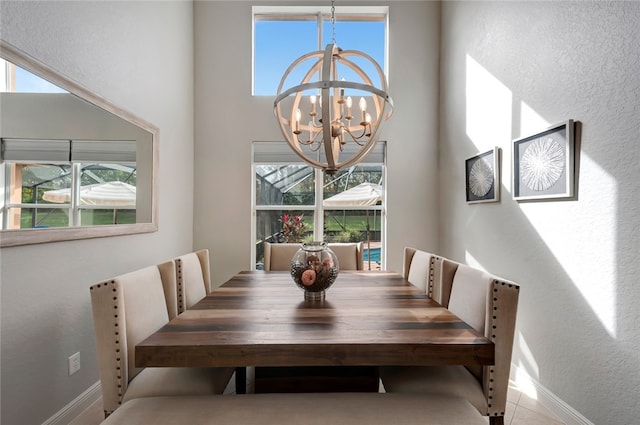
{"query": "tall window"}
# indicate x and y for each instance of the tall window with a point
(293, 202)
(283, 34)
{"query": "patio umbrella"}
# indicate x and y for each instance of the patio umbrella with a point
(111, 193)
(362, 195)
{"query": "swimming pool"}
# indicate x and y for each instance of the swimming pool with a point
(375, 255)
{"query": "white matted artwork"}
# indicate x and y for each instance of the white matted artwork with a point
(483, 177)
(543, 164)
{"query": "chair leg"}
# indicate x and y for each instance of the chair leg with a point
(496, 420)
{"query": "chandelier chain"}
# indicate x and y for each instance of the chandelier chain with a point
(333, 22)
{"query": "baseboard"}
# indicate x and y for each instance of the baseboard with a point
(549, 400)
(69, 412)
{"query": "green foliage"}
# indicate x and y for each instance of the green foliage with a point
(349, 235)
(56, 217)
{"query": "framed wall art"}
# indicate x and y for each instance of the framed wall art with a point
(543, 164)
(483, 177)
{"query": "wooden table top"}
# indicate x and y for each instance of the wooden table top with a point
(368, 319)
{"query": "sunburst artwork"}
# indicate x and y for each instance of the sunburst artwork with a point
(543, 164)
(482, 177)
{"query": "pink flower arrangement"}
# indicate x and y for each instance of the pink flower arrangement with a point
(292, 227)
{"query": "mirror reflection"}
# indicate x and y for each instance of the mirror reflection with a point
(68, 165)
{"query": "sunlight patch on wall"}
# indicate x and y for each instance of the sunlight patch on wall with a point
(530, 121)
(594, 278)
(489, 106)
(471, 261)
(527, 369)
(571, 241)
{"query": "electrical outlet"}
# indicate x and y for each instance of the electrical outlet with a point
(74, 363)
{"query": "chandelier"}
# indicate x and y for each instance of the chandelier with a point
(317, 116)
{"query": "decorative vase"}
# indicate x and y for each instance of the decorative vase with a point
(314, 268)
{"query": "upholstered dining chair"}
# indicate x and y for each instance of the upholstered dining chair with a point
(350, 255)
(193, 278)
(416, 267)
(277, 256)
(193, 283)
(488, 304)
(126, 310)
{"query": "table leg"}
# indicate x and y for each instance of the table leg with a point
(241, 380)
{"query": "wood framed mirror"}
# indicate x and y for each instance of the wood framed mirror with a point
(72, 164)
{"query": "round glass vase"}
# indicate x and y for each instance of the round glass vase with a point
(314, 268)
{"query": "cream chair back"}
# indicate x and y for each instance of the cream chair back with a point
(126, 310)
(489, 304)
(350, 255)
(170, 286)
(441, 275)
(193, 278)
(417, 265)
(277, 256)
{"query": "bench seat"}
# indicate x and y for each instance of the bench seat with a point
(300, 408)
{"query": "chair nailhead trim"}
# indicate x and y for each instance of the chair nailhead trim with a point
(180, 289)
(491, 370)
(118, 364)
(431, 265)
(494, 317)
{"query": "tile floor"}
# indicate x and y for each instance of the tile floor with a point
(521, 409)
(524, 410)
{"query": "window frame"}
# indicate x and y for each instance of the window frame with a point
(73, 208)
(319, 14)
(317, 208)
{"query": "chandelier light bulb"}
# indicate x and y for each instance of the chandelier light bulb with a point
(297, 124)
(331, 140)
(362, 104)
(312, 99)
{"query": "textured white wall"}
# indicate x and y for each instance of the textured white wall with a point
(509, 69)
(139, 56)
(228, 119)
(506, 69)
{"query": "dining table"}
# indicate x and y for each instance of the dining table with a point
(367, 318)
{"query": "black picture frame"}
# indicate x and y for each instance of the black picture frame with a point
(483, 177)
